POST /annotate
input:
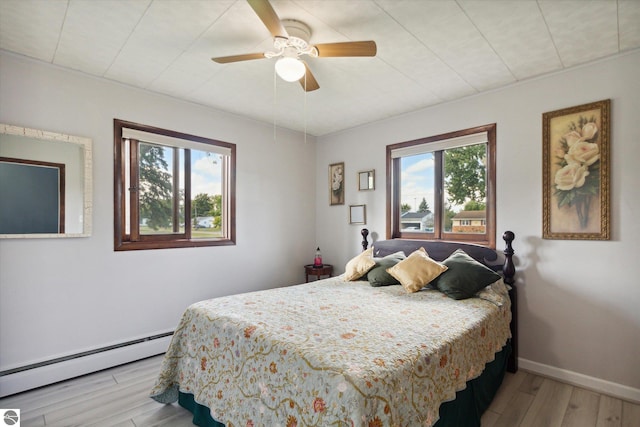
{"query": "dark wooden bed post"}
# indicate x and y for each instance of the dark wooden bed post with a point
(365, 243)
(509, 272)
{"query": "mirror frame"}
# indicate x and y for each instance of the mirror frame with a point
(85, 144)
(369, 178)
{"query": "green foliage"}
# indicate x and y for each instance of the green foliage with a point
(405, 207)
(424, 206)
(206, 205)
(465, 174)
(473, 205)
(201, 205)
(156, 187)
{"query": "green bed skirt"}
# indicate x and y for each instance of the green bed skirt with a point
(465, 411)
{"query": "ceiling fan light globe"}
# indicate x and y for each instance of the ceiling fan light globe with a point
(290, 69)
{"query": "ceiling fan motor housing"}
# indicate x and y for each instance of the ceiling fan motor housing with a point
(299, 35)
(297, 29)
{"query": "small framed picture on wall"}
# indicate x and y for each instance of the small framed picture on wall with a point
(336, 184)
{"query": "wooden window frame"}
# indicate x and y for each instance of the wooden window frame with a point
(393, 228)
(133, 240)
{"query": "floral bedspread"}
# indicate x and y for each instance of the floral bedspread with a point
(332, 353)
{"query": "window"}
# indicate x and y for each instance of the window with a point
(171, 189)
(443, 187)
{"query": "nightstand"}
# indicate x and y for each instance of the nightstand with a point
(325, 270)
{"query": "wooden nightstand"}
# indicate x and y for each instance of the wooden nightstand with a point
(325, 270)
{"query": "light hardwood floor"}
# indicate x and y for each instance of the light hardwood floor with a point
(118, 397)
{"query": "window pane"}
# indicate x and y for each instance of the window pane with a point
(417, 193)
(160, 195)
(465, 189)
(207, 191)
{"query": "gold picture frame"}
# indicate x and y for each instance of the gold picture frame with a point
(336, 184)
(575, 159)
(367, 180)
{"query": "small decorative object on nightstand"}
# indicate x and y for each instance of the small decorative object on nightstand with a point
(323, 270)
(317, 261)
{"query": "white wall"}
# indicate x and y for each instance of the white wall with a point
(64, 296)
(578, 300)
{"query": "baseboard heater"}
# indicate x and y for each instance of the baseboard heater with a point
(38, 374)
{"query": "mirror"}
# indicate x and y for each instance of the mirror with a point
(366, 180)
(45, 184)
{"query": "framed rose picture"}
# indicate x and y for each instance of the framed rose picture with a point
(575, 159)
(336, 184)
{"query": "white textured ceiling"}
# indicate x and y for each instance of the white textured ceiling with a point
(428, 51)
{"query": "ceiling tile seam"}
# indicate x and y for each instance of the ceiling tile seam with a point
(64, 20)
(555, 47)
(426, 47)
(515, 78)
(195, 40)
(115, 57)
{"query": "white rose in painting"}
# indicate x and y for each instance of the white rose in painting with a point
(336, 181)
(571, 176)
(585, 153)
(572, 137)
(589, 130)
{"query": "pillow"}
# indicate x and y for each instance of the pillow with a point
(415, 272)
(378, 275)
(465, 276)
(359, 265)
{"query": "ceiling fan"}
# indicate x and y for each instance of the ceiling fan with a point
(291, 41)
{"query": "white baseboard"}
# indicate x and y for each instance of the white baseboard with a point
(53, 373)
(601, 386)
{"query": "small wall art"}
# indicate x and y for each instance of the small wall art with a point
(336, 184)
(367, 180)
(357, 214)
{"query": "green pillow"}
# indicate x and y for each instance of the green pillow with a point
(378, 275)
(464, 277)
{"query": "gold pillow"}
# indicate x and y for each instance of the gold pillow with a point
(416, 271)
(359, 265)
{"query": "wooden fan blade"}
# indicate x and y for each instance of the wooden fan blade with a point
(365, 48)
(237, 58)
(269, 18)
(308, 81)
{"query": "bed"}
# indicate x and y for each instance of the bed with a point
(348, 351)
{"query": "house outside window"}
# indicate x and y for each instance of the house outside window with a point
(443, 187)
(172, 189)
(469, 222)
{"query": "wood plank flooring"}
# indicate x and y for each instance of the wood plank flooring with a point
(119, 397)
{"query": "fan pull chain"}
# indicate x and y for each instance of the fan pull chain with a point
(275, 103)
(305, 108)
